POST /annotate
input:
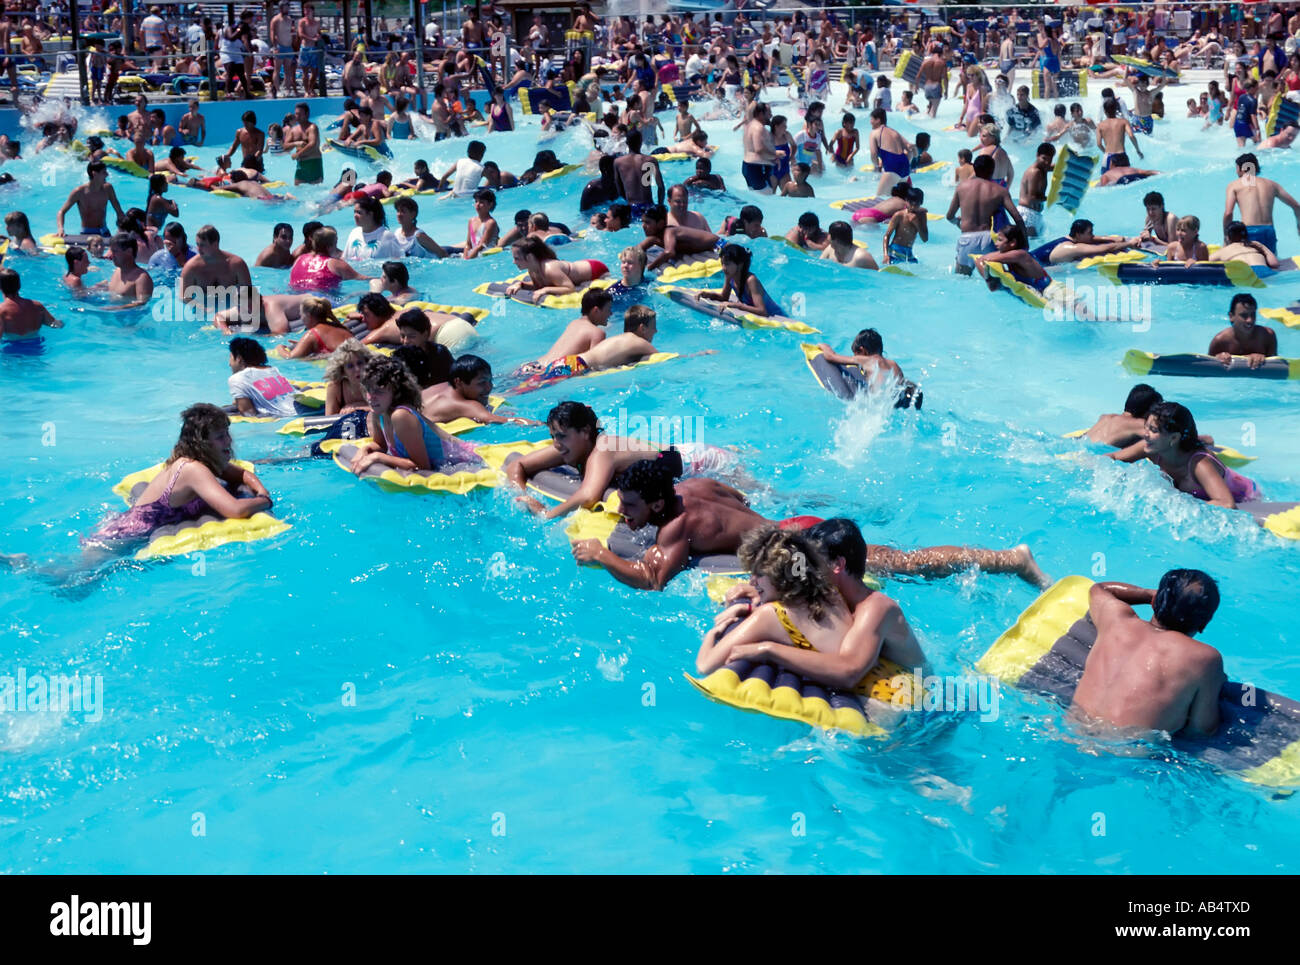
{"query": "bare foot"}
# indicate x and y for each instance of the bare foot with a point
(1029, 570)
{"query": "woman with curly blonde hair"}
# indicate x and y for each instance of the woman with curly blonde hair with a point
(800, 605)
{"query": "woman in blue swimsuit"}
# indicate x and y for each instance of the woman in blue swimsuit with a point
(402, 437)
(1049, 60)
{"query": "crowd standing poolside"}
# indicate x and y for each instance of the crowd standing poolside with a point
(817, 618)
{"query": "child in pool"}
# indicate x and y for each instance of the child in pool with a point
(922, 158)
(905, 227)
(324, 334)
(400, 435)
(741, 287)
(846, 143)
(483, 230)
(467, 396)
(869, 356)
(1187, 245)
(905, 105)
(965, 167)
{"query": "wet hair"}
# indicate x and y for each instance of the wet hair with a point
(389, 373)
(879, 115)
(475, 150)
(656, 213)
(922, 141)
(469, 367)
(95, 166)
(377, 305)
(323, 240)
(335, 367)
(522, 216)
(869, 342)
(1153, 197)
(1242, 298)
(282, 226)
(738, 254)
(841, 232)
(651, 479)
(1140, 400)
(310, 228)
(1079, 226)
(9, 281)
(197, 423)
(1046, 150)
(18, 220)
(795, 566)
(74, 254)
(539, 221)
(840, 538)
(594, 298)
(487, 195)
(248, 350)
(417, 363)
(1190, 222)
(407, 204)
(414, 320)
(126, 242)
(174, 229)
(964, 155)
(984, 167)
(621, 212)
(916, 196)
(749, 213)
(536, 248)
(1172, 417)
(1248, 159)
(638, 316)
(1016, 235)
(574, 415)
(397, 272)
(320, 310)
(1186, 601)
(1059, 110)
(1236, 231)
(208, 234)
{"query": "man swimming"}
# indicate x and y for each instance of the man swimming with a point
(1151, 675)
(1243, 336)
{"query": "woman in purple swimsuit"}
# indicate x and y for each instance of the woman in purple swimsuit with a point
(1169, 439)
(197, 479)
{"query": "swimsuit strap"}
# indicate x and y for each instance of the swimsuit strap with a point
(166, 496)
(796, 635)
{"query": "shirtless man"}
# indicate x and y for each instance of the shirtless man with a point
(1152, 675)
(679, 215)
(175, 163)
(696, 145)
(1121, 429)
(582, 334)
(92, 200)
(695, 517)
(636, 172)
(138, 120)
(676, 242)
(1243, 336)
(467, 395)
(129, 280)
(978, 199)
(279, 253)
(1238, 247)
(1282, 140)
(1113, 133)
(1255, 196)
(889, 152)
(879, 628)
(309, 56)
(252, 143)
(20, 318)
(193, 126)
(1033, 189)
(760, 151)
(934, 71)
(282, 30)
(139, 154)
(843, 251)
(214, 275)
(310, 166)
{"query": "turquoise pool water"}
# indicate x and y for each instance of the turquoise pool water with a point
(515, 712)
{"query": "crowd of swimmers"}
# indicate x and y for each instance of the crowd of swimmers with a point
(817, 618)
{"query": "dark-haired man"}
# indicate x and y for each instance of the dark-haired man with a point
(1151, 675)
(92, 200)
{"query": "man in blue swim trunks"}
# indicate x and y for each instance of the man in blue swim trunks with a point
(309, 54)
(282, 32)
(889, 152)
(1255, 196)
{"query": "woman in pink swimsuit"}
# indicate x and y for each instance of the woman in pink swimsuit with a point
(1169, 439)
(316, 270)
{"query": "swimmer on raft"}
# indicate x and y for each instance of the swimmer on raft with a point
(1243, 336)
(700, 517)
(1012, 253)
(640, 325)
(808, 614)
(466, 396)
(198, 478)
(741, 287)
(400, 436)
(547, 274)
(1169, 440)
(581, 335)
(576, 441)
(1152, 675)
(869, 358)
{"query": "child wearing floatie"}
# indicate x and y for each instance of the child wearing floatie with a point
(1169, 440)
(400, 436)
(806, 613)
(742, 287)
(1242, 336)
(198, 478)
